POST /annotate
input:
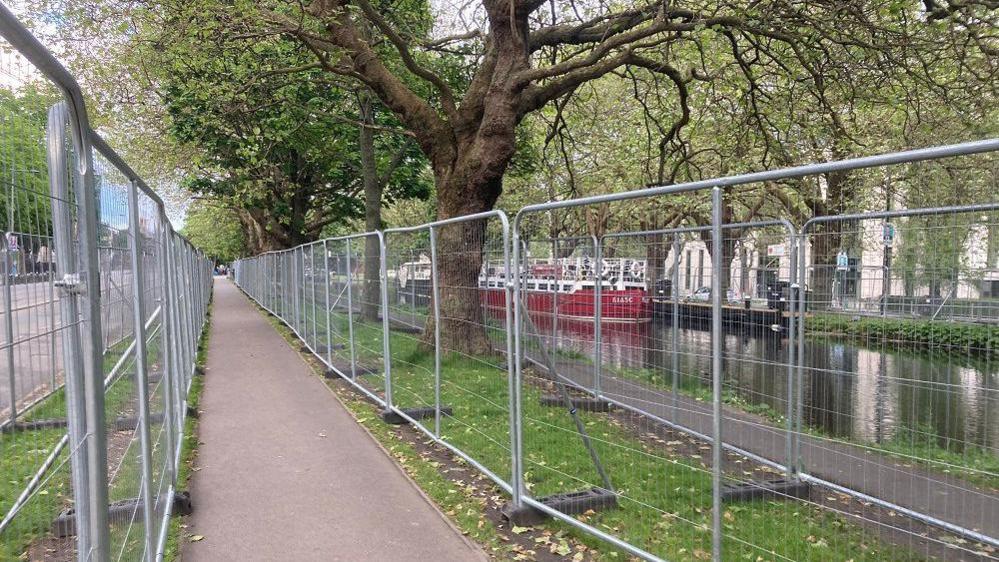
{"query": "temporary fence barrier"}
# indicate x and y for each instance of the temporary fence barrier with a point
(805, 389)
(103, 307)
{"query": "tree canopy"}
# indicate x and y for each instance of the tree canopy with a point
(23, 163)
(214, 228)
(597, 96)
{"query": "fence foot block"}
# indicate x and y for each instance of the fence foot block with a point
(524, 364)
(34, 425)
(569, 503)
(64, 525)
(405, 328)
(393, 417)
(772, 490)
(583, 404)
(128, 423)
(360, 370)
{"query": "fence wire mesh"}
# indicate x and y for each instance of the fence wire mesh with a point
(32, 364)
(103, 305)
(812, 389)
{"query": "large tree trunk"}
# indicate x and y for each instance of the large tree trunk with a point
(657, 249)
(827, 237)
(460, 249)
(262, 234)
(826, 242)
(729, 239)
(371, 291)
(468, 169)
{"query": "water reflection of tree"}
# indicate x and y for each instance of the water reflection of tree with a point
(756, 369)
(884, 396)
(931, 412)
(827, 391)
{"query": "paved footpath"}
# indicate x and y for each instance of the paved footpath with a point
(285, 471)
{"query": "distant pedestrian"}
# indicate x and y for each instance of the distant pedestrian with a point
(44, 259)
(13, 248)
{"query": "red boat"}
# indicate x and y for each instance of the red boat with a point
(630, 305)
(567, 290)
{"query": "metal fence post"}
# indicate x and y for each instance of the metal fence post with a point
(555, 294)
(791, 360)
(315, 302)
(675, 332)
(168, 336)
(300, 291)
(386, 347)
(326, 314)
(176, 342)
(598, 282)
(350, 313)
(716, 373)
(435, 287)
(186, 327)
(294, 287)
(142, 378)
(93, 359)
(514, 364)
(800, 357)
(72, 346)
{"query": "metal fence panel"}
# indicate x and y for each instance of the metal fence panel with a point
(103, 306)
(895, 379)
(713, 390)
(35, 321)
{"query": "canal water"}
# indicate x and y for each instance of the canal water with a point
(878, 393)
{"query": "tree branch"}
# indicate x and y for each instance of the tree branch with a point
(433, 133)
(447, 96)
(393, 165)
(436, 43)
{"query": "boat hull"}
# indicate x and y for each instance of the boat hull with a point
(628, 306)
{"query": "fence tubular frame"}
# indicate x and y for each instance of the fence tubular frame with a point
(81, 279)
(142, 377)
(717, 186)
(510, 339)
(802, 272)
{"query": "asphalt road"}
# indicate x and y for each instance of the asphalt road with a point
(32, 328)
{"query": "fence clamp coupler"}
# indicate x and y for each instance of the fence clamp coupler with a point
(70, 284)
